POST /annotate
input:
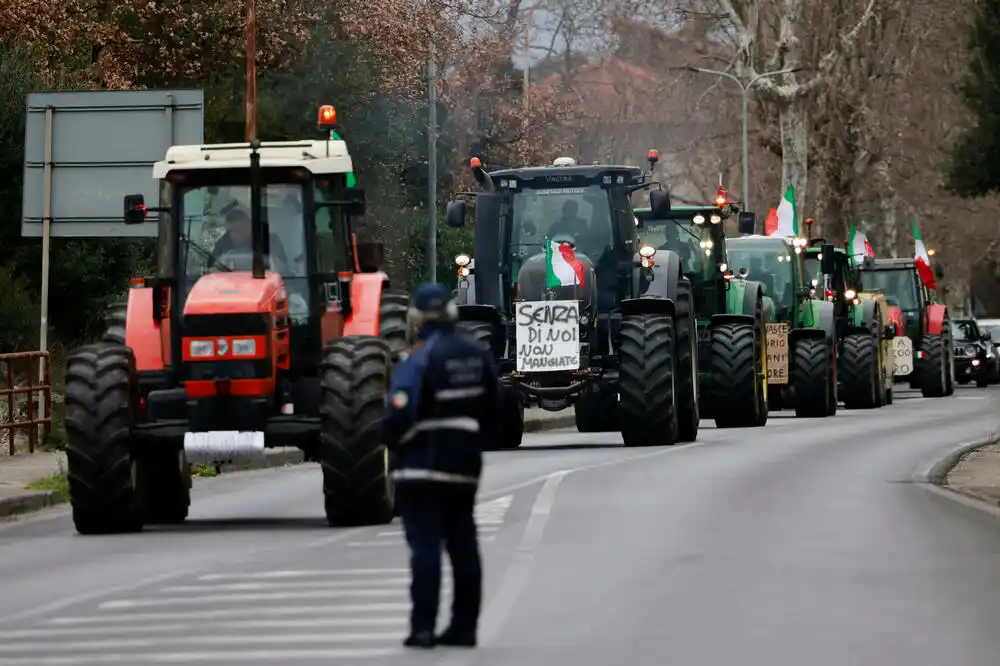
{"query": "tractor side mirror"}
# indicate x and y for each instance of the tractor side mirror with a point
(355, 198)
(659, 203)
(371, 256)
(455, 214)
(747, 223)
(135, 209)
(828, 262)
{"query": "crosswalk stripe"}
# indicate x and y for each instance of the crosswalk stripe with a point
(199, 641)
(247, 597)
(227, 613)
(303, 573)
(51, 632)
(326, 655)
(290, 585)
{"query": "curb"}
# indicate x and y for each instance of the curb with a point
(30, 501)
(936, 473)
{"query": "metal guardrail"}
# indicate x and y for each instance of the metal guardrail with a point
(25, 398)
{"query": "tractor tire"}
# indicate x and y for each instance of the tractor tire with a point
(859, 367)
(114, 323)
(357, 488)
(597, 411)
(481, 331)
(646, 381)
(733, 366)
(812, 375)
(686, 382)
(512, 427)
(165, 488)
(101, 400)
(934, 371)
(393, 326)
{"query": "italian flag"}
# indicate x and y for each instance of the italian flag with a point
(788, 221)
(922, 258)
(860, 247)
(563, 269)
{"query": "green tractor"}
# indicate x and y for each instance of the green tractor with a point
(802, 340)
(732, 313)
(860, 327)
(575, 311)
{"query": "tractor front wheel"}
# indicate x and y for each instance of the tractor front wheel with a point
(646, 410)
(736, 385)
(934, 370)
(101, 401)
(357, 488)
(688, 417)
(860, 369)
(165, 487)
(393, 326)
(812, 376)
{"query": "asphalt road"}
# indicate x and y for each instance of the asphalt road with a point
(801, 543)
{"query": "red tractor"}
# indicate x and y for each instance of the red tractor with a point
(267, 325)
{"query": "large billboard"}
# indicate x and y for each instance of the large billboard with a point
(100, 146)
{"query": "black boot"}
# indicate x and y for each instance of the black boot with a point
(420, 639)
(456, 638)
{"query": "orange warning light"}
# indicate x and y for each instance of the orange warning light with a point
(653, 155)
(720, 199)
(327, 117)
(475, 163)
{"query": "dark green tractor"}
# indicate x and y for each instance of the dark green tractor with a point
(732, 313)
(802, 342)
(860, 327)
(576, 312)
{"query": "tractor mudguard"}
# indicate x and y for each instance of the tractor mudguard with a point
(821, 316)
(934, 319)
(143, 333)
(864, 318)
(477, 312)
(768, 309)
(666, 275)
(745, 297)
(896, 317)
(647, 305)
(366, 301)
(735, 318)
(799, 333)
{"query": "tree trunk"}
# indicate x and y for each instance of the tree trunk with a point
(887, 206)
(793, 119)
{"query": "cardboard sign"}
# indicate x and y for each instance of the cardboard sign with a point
(902, 356)
(777, 353)
(547, 335)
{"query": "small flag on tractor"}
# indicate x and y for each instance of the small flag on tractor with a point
(860, 247)
(922, 258)
(788, 220)
(771, 224)
(562, 268)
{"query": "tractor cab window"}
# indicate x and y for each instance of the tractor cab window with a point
(581, 215)
(839, 279)
(333, 246)
(771, 263)
(682, 236)
(898, 285)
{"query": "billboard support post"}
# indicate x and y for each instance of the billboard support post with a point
(43, 329)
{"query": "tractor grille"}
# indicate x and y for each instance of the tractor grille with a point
(206, 326)
(214, 370)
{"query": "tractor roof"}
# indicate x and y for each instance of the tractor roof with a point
(316, 156)
(891, 264)
(785, 240)
(566, 173)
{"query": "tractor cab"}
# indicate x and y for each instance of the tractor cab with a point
(899, 280)
(833, 278)
(776, 263)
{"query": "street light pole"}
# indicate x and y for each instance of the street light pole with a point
(432, 162)
(250, 131)
(746, 115)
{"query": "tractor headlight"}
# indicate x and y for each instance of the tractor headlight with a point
(647, 251)
(464, 271)
(462, 260)
(850, 294)
(201, 349)
(716, 219)
(244, 347)
(699, 219)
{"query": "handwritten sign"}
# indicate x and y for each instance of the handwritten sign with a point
(547, 335)
(902, 356)
(777, 353)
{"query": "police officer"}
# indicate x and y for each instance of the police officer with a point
(442, 410)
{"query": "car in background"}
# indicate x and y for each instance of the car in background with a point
(975, 356)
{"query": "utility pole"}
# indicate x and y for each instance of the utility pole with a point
(251, 75)
(432, 162)
(746, 114)
(527, 61)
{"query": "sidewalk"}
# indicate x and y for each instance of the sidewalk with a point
(978, 474)
(45, 471)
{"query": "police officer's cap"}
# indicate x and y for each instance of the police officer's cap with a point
(433, 301)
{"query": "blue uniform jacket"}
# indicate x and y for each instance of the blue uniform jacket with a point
(443, 409)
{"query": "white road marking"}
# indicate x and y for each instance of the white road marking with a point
(250, 597)
(324, 655)
(200, 641)
(288, 585)
(303, 573)
(228, 613)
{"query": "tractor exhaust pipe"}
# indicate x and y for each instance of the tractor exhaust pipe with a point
(258, 230)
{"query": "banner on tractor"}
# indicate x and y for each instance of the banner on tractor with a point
(548, 336)
(777, 353)
(902, 356)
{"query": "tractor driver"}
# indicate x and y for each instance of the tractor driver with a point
(239, 238)
(570, 221)
(759, 273)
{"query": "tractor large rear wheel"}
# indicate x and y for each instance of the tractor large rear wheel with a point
(934, 370)
(812, 377)
(393, 326)
(357, 488)
(114, 323)
(688, 417)
(859, 367)
(646, 381)
(100, 412)
(597, 411)
(735, 382)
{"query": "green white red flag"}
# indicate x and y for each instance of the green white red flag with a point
(921, 258)
(563, 269)
(788, 219)
(859, 245)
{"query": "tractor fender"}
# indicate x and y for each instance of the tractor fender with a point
(722, 319)
(934, 319)
(747, 298)
(666, 275)
(865, 318)
(768, 309)
(821, 317)
(896, 317)
(143, 333)
(366, 301)
(647, 305)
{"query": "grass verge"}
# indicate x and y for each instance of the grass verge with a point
(57, 482)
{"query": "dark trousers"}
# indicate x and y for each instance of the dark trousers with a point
(432, 514)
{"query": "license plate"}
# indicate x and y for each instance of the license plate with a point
(223, 446)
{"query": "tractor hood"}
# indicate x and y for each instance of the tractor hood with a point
(532, 284)
(234, 293)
